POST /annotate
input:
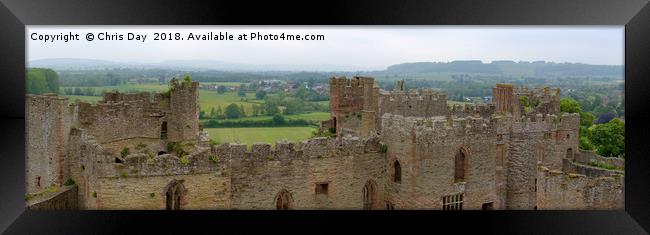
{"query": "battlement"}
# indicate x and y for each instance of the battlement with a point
(438, 126)
(355, 81)
(479, 110)
(540, 122)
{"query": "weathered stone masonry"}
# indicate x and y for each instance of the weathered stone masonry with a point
(391, 150)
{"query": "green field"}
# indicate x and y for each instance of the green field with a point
(314, 116)
(250, 136)
(223, 83)
(209, 99)
(89, 99)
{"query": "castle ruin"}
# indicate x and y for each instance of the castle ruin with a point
(390, 150)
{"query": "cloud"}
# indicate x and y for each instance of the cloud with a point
(371, 46)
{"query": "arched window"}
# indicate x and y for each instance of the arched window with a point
(163, 131)
(283, 201)
(173, 195)
(460, 166)
(369, 195)
(397, 169)
(569, 153)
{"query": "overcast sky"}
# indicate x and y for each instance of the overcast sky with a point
(362, 46)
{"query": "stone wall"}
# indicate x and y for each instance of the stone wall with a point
(345, 165)
(426, 150)
(590, 157)
(591, 171)
(47, 127)
(533, 140)
(183, 122)
(557, 190)
(64, 199)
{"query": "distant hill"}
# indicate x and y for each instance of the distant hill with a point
(92, 64)
(425, 70)
(508, 68)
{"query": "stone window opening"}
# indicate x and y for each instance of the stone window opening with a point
(322, 188)
(389, 206)
(163, 131)
(284, 200)
(452, 202)
(174, 194)
(568, 136)
(488, 206)
(161, 153)
(369, 195)
(569, 153)
(38, 181)
(397, 170)
(118, 160)
(460, 166)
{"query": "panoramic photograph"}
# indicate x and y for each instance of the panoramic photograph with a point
(325, 118)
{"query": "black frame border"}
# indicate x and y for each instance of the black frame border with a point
(634, 14)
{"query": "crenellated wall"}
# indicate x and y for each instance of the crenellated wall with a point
(557, 190)
(345, 165)
(543, 139)
(392, 149)
(426, 150)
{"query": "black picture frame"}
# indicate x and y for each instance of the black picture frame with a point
(634, 14)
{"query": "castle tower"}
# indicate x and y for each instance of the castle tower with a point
(369, 111)
(47, 128)
(399, 85)
(502, 97)
(183, 122)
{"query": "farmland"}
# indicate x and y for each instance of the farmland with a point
(250, 136)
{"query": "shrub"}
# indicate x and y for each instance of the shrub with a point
(383, 148)
(95, 194)
(214, 158)
(152, 195)
(125, 152)
(141, 146)
(184, 160)
(69, 182)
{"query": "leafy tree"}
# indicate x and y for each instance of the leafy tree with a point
(293, 106)
(241, 93)
(609, 138)
(271, 108)
(569, 105)
(587, 119)
(232, 111)
(77, 91)
(278, 119)
(260, 95)
(605, 117)
(221, 89)
(41, 80)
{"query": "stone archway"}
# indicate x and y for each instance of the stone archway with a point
(174, 194)
(370, 195)
(460, 165)
(569, 153)
(284, 200)
(397, 172)
(163, 130)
